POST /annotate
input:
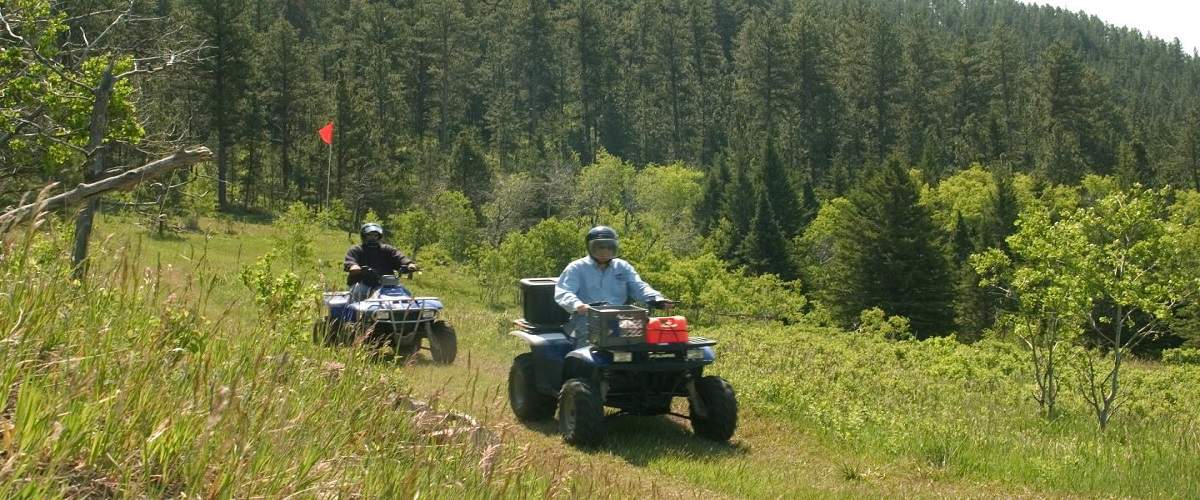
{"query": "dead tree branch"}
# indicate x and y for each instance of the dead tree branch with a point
(125, 180)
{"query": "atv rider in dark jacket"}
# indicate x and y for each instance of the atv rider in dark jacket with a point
(374, 254)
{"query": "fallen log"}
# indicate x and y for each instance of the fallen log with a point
(124, 180)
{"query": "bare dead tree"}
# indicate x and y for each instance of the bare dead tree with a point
(129, 45)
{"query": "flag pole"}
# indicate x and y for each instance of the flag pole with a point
(328, 170)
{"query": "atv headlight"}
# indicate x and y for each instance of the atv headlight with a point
(383, 315)
(622, 357)
(428, 313)
(695, 354)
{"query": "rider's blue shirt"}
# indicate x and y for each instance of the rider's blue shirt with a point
(583, 282)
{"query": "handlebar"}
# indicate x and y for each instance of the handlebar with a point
(375, 276)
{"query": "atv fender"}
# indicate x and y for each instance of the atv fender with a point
(583, 363)
(549, 349)
(545, 340)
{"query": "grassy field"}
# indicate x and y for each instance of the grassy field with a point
(162, 376)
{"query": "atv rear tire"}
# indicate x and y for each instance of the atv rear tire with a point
(527, 403)
(443, 343)
(720, 404)
(580, 413)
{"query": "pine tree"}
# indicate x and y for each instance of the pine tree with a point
(999, 218)
(1187, 147)
(708, 105)
(716, 182)
(868, 82)
(811, 132)
(592, 65)
(777, 185)
(809, 205)
(289, 76)
(1001, 79)
(1064, 120)
(763, 64)
(888, 254)
(765, 250)
(223, 25)
(971, 304)
(444, 24)
(736, 206)
(1133, 165)
(469, 172)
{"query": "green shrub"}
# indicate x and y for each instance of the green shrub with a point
(412, 231)
(280, 295)
(542, 251)
(295, 237)
(455, 224)
(876, 323)
(334, 216)
(1182, 356)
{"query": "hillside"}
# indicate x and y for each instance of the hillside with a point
(162, 376)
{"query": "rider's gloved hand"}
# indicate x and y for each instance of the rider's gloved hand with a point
(412, 268)
(663, 303)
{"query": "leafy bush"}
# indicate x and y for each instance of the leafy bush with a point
(1181, 356)
(455, 224)
(876, 323)
(280, 295)
(295, 239)
(542, 251)
(335, 216)
(412, 230)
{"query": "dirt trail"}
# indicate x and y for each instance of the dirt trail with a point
(659, 456)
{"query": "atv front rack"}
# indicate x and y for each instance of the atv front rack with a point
(692, 343)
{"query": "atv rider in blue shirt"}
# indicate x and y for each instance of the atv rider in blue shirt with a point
(381, 258)
(600, 277)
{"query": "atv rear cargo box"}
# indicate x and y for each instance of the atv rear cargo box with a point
(537, 302)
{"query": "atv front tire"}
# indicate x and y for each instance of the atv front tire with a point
(527, 403)
(581, 413)
(405, 350)
(443, 343)
(326, 331)
(720, 404)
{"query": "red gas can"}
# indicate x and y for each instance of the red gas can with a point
(667, 330)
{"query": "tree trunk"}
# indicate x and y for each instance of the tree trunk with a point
(92, 170)
(223, 167)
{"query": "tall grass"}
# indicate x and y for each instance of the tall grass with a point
(122, 385)
(160, 376)
(953, 410)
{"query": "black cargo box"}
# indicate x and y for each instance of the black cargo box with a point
(537, 302)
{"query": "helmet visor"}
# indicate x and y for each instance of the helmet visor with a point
(602, 248)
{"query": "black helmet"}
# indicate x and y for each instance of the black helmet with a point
(601, 238)
(368, 228)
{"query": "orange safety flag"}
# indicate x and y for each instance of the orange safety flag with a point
(326, 133)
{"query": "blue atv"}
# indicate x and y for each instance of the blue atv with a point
(634, 363)
(390, 316)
